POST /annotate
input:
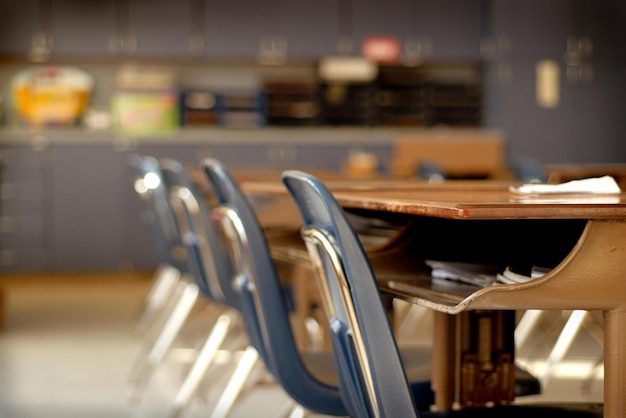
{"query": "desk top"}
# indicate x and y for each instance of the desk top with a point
(461, 199)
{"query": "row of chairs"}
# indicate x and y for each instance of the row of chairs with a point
(220, 250)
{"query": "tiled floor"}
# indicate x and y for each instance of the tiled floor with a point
(67, 347)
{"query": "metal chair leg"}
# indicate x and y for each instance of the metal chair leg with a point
(297, 411)
(170, 331)
(563, 343)
(204, 360)
(585, 388)
(165, 280)
(236, 383)
(525, 326)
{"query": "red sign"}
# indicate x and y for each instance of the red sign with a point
(381, 49)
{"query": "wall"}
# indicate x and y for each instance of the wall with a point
(586, 40)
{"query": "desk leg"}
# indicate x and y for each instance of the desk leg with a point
(444, 327)
(614, 364)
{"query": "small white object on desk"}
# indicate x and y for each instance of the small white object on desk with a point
(597, 185)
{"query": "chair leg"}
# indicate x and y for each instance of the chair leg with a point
(525, 326)
(203, 362)
(165, 280)
(143, 372)
(297, 411)
(236, 383)
(563, 343)
(585, 387)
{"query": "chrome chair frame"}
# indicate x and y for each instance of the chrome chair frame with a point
(164, 322)
(210, 267)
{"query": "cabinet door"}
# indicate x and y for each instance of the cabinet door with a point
(90, 208)
(84, 28)
(235, 28)
(161, 28)
(18, 23)
(435, 29)
(604, 23)
(310, 28)
(533, 28)
(453, 26)
(26, 216)
(377, 18)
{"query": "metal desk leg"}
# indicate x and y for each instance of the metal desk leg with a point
(444, 327)
(486, 357)
(614, 364)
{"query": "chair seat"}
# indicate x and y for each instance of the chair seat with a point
(418, 365)
(417, 361)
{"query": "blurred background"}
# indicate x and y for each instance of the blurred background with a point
(282, 83)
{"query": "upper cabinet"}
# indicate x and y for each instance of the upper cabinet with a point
(603, 22)
(311, 28)
(271, 31)
(85, 28)
(538, 29)
(160, 28)
(275, 31)
(234, 28)
(19, 22)
(427, 29)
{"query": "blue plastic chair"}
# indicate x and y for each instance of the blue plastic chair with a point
(264, 304)
(372, 377)
(183, 294)
(164, 236)
(209, 265)
(208, 260)
(266, 309)
(528, 169)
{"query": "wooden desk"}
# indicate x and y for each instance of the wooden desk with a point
(581, 238)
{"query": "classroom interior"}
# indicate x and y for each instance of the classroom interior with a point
(407, 89)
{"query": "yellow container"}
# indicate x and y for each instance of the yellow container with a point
(51, 95)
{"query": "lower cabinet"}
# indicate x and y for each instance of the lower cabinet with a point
(73, 207)
(93, 211)
(26, 215)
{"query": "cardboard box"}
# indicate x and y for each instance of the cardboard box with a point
(460, 153)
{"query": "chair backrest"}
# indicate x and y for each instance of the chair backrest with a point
(528, 169)
(366, 353)
(209, 263)
(265, 308)
(150, 186)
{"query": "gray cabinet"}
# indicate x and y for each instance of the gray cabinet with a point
(311, 28)
(26, 215)
(239, 29)
(161, 28)
(91, 215)
(278, 29)
(454, 26)
(604, 23)
(235, 28)
(428, 29)
(533, 29)
(83, 28)
(585, 126)
(19, 21)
